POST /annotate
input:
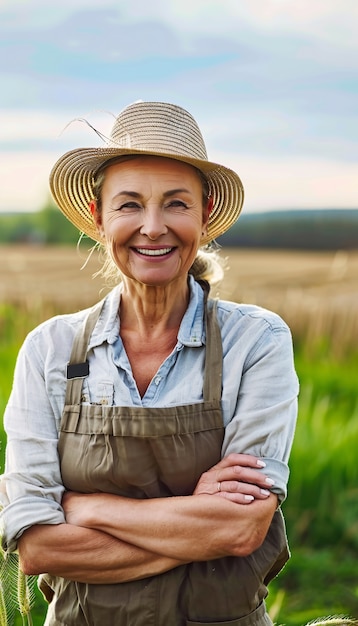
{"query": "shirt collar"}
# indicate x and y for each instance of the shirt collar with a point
(107, 327)
(191, 332)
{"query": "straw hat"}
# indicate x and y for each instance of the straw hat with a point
(146, 128)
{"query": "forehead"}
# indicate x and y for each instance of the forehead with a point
(138, 166)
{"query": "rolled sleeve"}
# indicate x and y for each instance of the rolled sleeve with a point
(31, 486)
(263, 419)
(21, 514)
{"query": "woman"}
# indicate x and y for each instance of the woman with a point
(148, 438)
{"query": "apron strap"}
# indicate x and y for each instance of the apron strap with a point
(77, 368)
(212, 387)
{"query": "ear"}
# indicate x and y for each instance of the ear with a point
(210, 204)
(206, 212)
(97, 217)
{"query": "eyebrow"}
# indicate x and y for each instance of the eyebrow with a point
(132, 194)
(166, 194)
(173, 192)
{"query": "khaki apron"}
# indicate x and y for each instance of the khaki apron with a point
(157, 452)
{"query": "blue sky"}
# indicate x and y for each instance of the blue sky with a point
(273, 85)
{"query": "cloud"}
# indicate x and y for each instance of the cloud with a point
(296, 183)
(269, 81)
(329, 20)
(23, 180)
(243, 53)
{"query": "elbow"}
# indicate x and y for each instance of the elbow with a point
(28, 565)
(252, 533)
(26, 568)
(247, 542)
(29, 556)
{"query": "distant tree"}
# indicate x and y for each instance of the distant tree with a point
(301, 230)
(18, 227)
(55, 227)
(48, 226)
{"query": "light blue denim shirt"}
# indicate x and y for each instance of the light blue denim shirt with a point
(259, 399)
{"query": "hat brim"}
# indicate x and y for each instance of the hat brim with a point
(72, 178)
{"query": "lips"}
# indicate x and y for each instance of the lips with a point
(154, 251)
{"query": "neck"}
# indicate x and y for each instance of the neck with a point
(152, 310)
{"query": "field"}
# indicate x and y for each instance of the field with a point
(316, 293)
(317, 279)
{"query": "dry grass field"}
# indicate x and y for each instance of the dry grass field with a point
(316, 293)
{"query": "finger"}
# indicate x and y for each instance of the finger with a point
(244, 475)
(245, 460)
(245, 489)
(238, 498)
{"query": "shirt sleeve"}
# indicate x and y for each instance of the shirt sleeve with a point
(31, 487)
(263, 397)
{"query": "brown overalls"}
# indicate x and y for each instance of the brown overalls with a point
(158, 452)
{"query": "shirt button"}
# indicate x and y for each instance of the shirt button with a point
(157, 380)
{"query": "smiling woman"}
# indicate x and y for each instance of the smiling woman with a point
(149, 436)
(152, 216)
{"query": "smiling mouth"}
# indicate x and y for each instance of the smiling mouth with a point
(156, 252)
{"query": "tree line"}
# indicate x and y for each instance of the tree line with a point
(321, 229)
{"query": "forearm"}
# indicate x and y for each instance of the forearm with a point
(87, 555)
(190, 528)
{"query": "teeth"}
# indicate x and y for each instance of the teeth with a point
(159, 252)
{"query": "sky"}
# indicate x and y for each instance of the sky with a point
(273, 85)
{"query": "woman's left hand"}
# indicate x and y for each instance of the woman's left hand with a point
(237, 477)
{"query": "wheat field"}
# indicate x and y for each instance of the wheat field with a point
(315, 292)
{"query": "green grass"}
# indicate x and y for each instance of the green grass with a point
(322, 508)
(315, 583)
(7, 363)
(323, 489)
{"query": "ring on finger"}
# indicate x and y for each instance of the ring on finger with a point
(219, 486)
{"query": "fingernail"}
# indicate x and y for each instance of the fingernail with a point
(260, 463)
(265, 492)
(249, 498)
(269, 481)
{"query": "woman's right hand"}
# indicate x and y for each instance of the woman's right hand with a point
(237, 477)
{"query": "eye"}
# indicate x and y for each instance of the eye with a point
(177, 204)
(129, 206)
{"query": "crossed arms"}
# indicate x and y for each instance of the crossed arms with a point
(109, 538)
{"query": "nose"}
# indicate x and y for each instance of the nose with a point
(153, 223)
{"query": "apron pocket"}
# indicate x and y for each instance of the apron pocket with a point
(259, 617)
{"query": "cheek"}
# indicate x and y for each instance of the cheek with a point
(191, 225)
(118, 254)
(119, 226)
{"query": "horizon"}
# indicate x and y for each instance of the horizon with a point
(268, 212)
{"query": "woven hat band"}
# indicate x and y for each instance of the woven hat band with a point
(162, 129)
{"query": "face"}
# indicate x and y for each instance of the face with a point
(152, 218)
